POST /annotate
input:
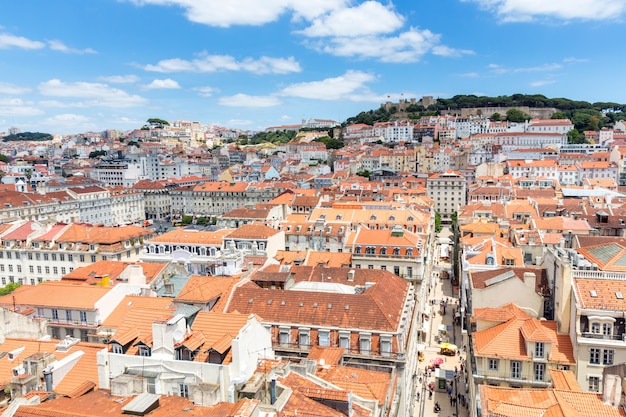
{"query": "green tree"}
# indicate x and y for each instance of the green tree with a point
(330, 143)
(516, 116)
(9, 288)
(437, 222)
(495, 117)
(4, 158)
(365, 173)
(575, 136)
(95, 154)
(187, 219)
(559, 115)
(158, 122)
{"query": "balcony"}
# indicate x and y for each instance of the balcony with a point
(590, 335)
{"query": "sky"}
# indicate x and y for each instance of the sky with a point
(73, 66)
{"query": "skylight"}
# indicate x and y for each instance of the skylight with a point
(593, 293)
(619, 295)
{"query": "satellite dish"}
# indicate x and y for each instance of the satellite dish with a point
(322, 362)
(178, 335)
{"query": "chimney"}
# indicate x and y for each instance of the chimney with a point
(530, 279)
(351, 275)
(134, 275)
(273, 390)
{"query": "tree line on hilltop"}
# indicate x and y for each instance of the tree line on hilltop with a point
(584, 115)
(32, 136)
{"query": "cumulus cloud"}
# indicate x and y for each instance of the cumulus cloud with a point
(11, 41)
(120, 79)
(95, 94)
(443, 50)
(16, 107)
(350, 86)
(246, 12)
(205, 91)
(167, 83)
(528, 10)
(56, 45)
(245, 100)
(7, 88)
(215, 63)
(356, 21)
(408, 46)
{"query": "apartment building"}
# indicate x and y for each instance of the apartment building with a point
(396, 250)
(32, 252)
(510, 348)
(448, 190)
(338, 307)
(18, 204)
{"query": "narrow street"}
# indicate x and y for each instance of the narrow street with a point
(451, 396)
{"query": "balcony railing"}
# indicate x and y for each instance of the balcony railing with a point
(374, 354)
(590, 335)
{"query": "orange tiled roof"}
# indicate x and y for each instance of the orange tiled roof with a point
(55, 294)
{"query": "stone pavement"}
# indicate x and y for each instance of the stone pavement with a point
(424, 407)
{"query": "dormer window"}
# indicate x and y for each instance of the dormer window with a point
(373, 217)
(540, 349)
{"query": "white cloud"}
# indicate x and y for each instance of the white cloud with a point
(369, 18)
(69, 122)
(571, 59)
(540, 83)
(205, 91)
(239, 122)
(214, 63)
(97, 94)
(7, 88)
(120, 79)
(245, 100)
(443, 50)
(167, 83)
(470, 75)
(349, 86)
(499, 69)
(246, 12)
(11, 41)
(408, 46)
(16, 107)
(56, 45)
(528, 10)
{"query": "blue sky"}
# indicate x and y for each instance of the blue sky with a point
(72, 66)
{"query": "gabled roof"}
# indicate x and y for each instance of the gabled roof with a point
(600, 294)
(508, 340)
(608, 256)
(552, 402)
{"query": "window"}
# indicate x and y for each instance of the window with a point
(83, 316)
(516, 369)
(183, 390)
(37, 256)
(396, 251)
(540, 370)
(539, 349)
(303, 338)
(493, 364)
(344, 339)
(324, 337)
(370, 267)
(55, 333)
(55, 270)
(409, 252)
(594, 356)
(284, 336)
(595, 328)
(385, 345)
(607, 328)
(81, 258)
(45, 256)
(144, 350)
(93, 258)
(409, 272)
(383, 251)
(396, 270)
(61, 257)
(594, 384)
(47, 268)
(39, 269)
(55, 314)
(607, 358)
(68, 315)
(365, 343)
(31, 269)
(151, 385)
